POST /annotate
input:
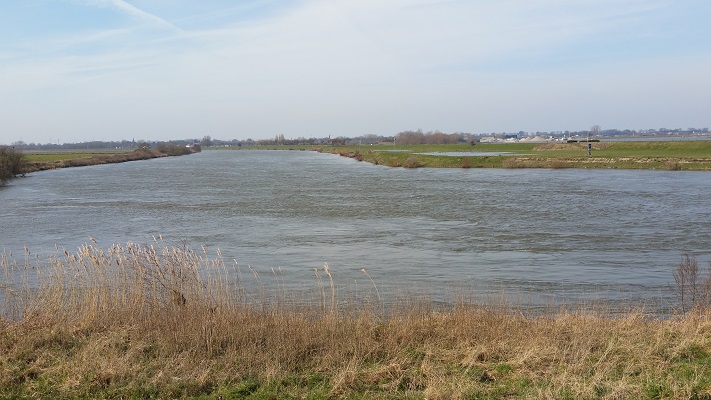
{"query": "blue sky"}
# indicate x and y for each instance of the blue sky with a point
(80, 70)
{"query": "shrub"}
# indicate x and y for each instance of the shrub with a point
(12, 164)
(673, 166)
(558, 164)
(693, 288)
(411, 162)
(172, 149)
(4, 176)
(511, 162)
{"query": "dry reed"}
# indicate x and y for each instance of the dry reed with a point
(163, 321)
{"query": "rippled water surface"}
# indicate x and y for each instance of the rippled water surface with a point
(538, 234)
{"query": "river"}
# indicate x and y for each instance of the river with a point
(538, 235)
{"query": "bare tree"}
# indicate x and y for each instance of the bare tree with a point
(693, 288)
(594, 131)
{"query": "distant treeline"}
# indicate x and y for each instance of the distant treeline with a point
(96, 144)
(171, 147)
(434, 137)
(404, 137)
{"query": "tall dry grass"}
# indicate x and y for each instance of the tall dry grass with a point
(165, 321)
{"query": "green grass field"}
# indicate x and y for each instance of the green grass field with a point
(39, 161)
(52, 156)
(57, 157)
(687, 155)
(672, 155)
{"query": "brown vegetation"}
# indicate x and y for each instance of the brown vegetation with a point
(166, 322)
(435, 137)
(344, 152)
(693, 285)
(411, 162)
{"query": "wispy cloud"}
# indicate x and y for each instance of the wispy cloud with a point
(124, 7)
(317, 67)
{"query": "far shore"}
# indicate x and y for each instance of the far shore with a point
(660, 155)
(48, 161)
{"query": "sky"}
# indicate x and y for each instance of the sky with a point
(84, 70)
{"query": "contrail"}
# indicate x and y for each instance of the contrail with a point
(125, 7)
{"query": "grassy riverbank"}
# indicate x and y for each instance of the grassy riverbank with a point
(40, 161)
(673, 155)
(163, 322)
(694, 155)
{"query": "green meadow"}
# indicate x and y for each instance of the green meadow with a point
(52, 157)
(669, 155)
(678, 155)
(43, 160)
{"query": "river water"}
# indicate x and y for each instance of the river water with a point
(541, 236)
